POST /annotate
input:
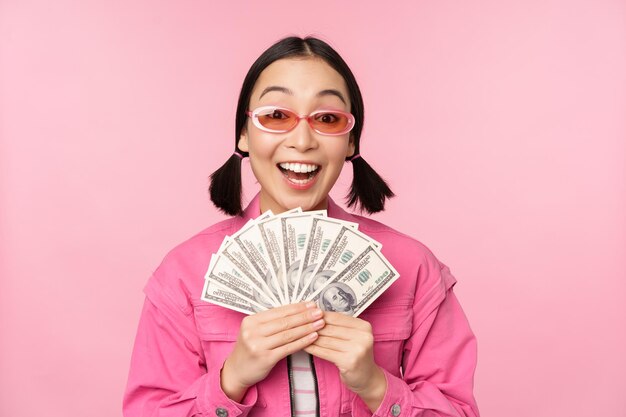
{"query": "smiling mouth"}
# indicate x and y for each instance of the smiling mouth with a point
(298, 173)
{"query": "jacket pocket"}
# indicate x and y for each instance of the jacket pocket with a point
(215, 323)
(217, 329)
(391, 327)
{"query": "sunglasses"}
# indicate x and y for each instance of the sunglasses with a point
(276, 119)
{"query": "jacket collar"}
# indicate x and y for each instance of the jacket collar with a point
(253, 210)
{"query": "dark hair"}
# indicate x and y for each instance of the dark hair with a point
(368, 189)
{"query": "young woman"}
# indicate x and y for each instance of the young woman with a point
(410, 353)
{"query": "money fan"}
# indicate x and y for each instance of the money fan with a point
(298, 256)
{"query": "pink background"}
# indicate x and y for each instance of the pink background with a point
(499, 124)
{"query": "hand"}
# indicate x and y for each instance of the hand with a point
(264, 339)
(348, 343)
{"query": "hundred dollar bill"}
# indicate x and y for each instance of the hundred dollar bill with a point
(216, 294)
(246, 245)
(251, 244)
(228, 240)
(271, 241)
(332, 251)
(322, 233)
(354, 288)
(228, 276)
(237, 257)
(295, 231)
(250, 240)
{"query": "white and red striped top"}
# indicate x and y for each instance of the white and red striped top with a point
(304, 389)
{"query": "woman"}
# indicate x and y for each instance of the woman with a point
(299, 118)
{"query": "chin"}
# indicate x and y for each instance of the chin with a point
(313, 205)
(288, 199)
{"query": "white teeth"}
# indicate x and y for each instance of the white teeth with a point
(299, 181)
(297, 167)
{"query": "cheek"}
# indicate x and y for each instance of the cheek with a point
(336, 151)
(260, 148)
(337, 157)
(258, 163)
(261, 154)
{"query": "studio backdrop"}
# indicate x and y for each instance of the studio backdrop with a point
(498, 124)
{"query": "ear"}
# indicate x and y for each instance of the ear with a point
(242, 144)
(351, 147)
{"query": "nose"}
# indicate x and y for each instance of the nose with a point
(302, 137)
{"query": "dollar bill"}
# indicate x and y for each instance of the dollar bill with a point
(345, 244)
(354, 288)
(322, 233)
(270, 238)
(216, 294)
(228, 276)
(251, 243)
(239, 258)
(271, 233)
(295, 231)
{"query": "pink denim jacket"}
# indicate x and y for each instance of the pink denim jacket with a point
(422, 339)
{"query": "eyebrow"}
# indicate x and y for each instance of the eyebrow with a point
(327, 92)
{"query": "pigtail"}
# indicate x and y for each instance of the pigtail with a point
(225, 187)
(368, 189)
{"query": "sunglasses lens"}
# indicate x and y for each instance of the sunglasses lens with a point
(330, 123)
(277, 119)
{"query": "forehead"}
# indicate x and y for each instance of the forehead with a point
(300, 80)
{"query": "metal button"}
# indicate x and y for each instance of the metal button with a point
(221, 412)
(395, 410)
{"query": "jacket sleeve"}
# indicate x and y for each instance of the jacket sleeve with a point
(168, 372)
(439, 359)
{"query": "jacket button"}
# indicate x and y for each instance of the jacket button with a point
(395, 410)
(221, 412)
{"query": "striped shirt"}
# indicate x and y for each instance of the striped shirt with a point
(303, 385)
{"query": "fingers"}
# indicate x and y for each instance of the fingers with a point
(269, 336)
(338, 332)
(342, 320)
(322, 352)
(283, 311)
(344, 339)
(293, 347)
(341, 339)
(347, 328)
(331, 343)
(346, 355)
(290, 322)
(292, 334)
(348, 343)
(286, 326)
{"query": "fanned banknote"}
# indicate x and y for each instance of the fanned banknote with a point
(294, 256)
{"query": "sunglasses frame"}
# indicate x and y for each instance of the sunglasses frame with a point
(255, 119)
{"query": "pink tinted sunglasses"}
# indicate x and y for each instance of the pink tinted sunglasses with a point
(276, 119)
